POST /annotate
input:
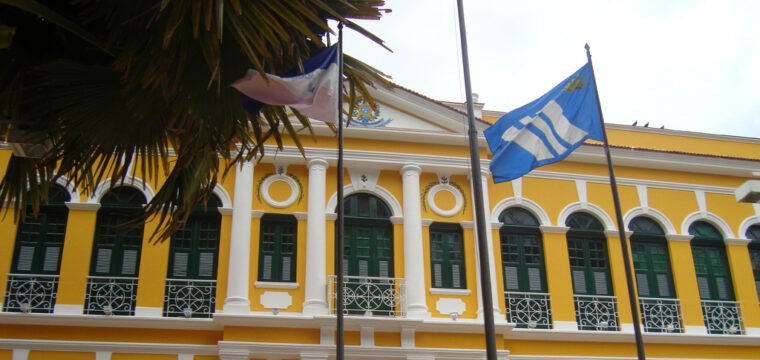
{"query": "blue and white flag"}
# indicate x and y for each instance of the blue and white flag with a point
(546, 130)
(313, 93)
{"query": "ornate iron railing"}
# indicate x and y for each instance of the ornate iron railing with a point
(596, 313)
(529, 310)
(370, 296)
(190, 298)
(661, 315)
(29, 293)
(722, 317)
(110, 296)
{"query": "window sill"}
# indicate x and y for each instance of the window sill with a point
(275, 285)
(439, 291)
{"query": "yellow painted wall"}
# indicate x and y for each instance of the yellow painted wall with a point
(80, 230)
(685, 281)
(154, 263)
(745, 291)
(8, 229)
(387, 339)
(271, 335)
(558, 277)
(117, 356)
(74, 333)
(453, 340)
(591, 349)
(60, 355)
(6, 354)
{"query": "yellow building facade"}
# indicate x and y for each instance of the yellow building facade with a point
(251, 276)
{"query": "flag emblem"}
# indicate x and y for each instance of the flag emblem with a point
(547, 129)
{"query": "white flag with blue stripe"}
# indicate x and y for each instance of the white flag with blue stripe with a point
(546, 130)
(313, 93)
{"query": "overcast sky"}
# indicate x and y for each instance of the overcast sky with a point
(685, 64)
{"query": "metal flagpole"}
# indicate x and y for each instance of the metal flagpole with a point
(621, 225)
(339, 342)
(477, 188)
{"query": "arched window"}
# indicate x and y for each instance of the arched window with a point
(522, 252)
(33, 280)
(589, 263)
(651, 259)
(191, 278)
(447, 256)
(753, 233)
(368, 237)
(115, 261)
(710, 262)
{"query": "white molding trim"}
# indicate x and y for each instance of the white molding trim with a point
(458, 200)
(517, 187)
(524, 203)
(378, 191)
(679, 237)
(554, 229)
(427, 222)
(20, 354)
(653, 214)
(223, 196)
(150, 312)
(733, 241)
(80, 206)
(70, 187)
(589, 208)
(287, 179)
(130, 181)
(541, 174)
(752, 220)
(396, 220)
(301, 215)
(701, 201)
(616, 234)
(496, 225)
(709, 217)
(582, 190)
(109, 346)
(257, 214)
(65, 309)
(467, 224)
(565, 325)
(225, 211)
(457, 292)
(641, 191)
(275, 285)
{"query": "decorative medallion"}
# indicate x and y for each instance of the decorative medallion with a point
(364, 116)
(280, 174)
(444, 184)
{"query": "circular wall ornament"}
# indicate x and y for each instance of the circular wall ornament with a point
(458, 199)
(267, 183)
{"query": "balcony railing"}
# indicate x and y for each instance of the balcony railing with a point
(661, 315)
(722, 317)
(190, 298)
(370, 296)
(110, 296)
(31, 293)
(529, 310)
(596, 313)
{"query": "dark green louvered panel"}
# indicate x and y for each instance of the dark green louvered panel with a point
(447, 256)
(118, 234)
(651, 259)
(277, 248)
(587, 248)
(522, 254)
(710, 262)
(194, 248)
(39, 240)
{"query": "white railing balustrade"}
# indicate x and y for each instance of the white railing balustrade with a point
(596, 313)
(661, 315)
(110, 295)
(190, 298)
(30, 293)
(529, 310)
(722, 317)
(369, 296)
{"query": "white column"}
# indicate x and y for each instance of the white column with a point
(491, 257)
(240, 243)
(414, 269)
(316, 256)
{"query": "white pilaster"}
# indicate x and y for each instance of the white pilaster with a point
(240, 244)
(498, 316)
(413, 268)
(316, 278)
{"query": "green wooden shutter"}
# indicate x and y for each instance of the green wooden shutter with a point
(651, 259)
(753, 233)
(118, 234)
(587, 249)
(39, 240)
(710, 262)
(447, 256)
(277, 248)
(522, 259)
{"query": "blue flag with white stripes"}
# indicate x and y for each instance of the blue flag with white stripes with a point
(546, 130)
